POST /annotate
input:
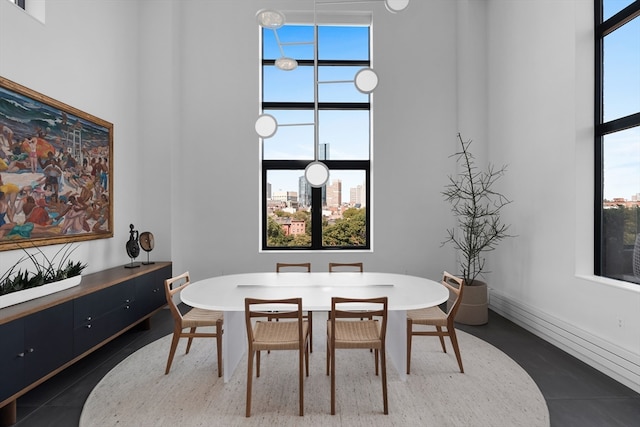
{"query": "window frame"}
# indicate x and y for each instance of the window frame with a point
(19, 3)
(602, 128)
(297, 164)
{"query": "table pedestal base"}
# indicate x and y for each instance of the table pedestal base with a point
(234, 342)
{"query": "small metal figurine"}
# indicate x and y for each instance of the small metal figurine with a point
(133, 248)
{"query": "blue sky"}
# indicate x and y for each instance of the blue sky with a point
(348, 139)
(346, 132)
(621, 98)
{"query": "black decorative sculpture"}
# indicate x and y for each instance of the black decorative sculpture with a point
(133, 248)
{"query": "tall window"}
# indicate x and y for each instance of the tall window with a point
(18, 2)
(321, 116)
(617, 139)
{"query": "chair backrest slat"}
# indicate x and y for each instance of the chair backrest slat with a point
(299, 266)
(349, 266)
(175, 285)
(456, 287)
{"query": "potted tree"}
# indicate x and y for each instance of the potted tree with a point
(476, 206)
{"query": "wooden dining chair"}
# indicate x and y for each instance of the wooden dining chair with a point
(191, 320)
(281, 335)
(434, 316)
(304, 267)
(352, 333)
(346, 266)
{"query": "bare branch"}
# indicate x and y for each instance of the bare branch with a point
(476, 206)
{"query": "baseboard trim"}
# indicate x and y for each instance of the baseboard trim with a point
(618, 363)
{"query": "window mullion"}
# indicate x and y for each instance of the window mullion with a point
(316, 218)
(618, 20)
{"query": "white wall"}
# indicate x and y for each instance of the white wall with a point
(160, 112)
(85, 55)
(540, 96)
(217, 228)
(179, 80)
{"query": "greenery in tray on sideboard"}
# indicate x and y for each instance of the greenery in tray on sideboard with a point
(47, 270)
(476, 205)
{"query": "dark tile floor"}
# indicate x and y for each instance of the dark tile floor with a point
(576, 394)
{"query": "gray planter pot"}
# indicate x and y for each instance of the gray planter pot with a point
(474, 308)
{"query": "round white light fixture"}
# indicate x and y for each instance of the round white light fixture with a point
(271, 19)
(395, 6)
(266, 125)
(366, 80)
(286, 64)
(316, 174)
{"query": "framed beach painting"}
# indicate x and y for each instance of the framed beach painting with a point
(56, 171)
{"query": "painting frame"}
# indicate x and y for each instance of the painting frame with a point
(56, 171)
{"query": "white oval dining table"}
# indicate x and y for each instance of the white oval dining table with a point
(227, 294)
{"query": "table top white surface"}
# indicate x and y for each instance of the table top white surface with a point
(227, 293)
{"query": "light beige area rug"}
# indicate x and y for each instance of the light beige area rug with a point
(494, 391)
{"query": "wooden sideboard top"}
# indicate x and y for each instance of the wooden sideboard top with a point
(90, 283)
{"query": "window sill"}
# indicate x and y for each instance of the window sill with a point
(620, 284)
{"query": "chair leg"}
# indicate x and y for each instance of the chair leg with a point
(306, 358)
(328, 353)
(219, 333)
(441, 336)
(333, 381)
(269, 318)
(249, 381)
(370, 318)
(456, 349)
(310, 320)
(384, 381)
(172, 350)
(301, 353)
(277, 320)
(375, 355)
(192, 331)
(409, 339)
(257, 364)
